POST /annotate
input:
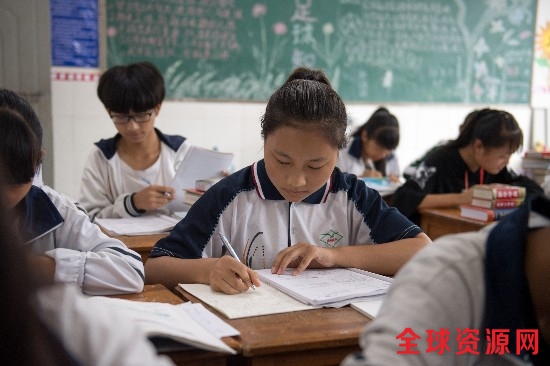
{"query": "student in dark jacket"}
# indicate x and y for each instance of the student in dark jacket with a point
(479, 155)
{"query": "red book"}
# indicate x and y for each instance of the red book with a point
(498, 203)
(498, 191)
(484, 214)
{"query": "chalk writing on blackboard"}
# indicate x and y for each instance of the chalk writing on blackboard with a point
(460, 51)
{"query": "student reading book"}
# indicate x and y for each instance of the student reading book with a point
(371, 150)
(130, 174)
(293, 208)
(479, 155)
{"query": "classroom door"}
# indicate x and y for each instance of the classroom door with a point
(25, 62)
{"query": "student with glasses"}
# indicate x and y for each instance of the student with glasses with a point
(129, 174)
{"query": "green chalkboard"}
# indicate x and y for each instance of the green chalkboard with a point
(440, 51)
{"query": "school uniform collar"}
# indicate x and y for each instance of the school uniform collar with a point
(40, 215)
(266, 190)
(508, 304)
(108, 146)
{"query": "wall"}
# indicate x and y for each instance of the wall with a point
(79, 120)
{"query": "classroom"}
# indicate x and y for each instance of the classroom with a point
(437, 70)
(67, 95)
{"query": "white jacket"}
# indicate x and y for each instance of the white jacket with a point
(98, 336)
(83, 254)
(102, 191)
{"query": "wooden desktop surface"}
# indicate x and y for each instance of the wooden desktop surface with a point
(436, 222)
(311, 337)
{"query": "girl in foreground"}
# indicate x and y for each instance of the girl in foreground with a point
(293, 208)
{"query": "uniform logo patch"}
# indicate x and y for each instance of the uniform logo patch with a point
(331, 238)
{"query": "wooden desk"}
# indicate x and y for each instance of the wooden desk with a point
(311, 337)
(194, 357)
(442, 221)
(141, 243)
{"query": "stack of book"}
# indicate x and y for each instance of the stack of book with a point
(201, 186)
(491, 202)
(536, 164)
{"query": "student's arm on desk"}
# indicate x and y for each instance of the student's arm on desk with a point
(222, 274)
(446, 199)
(386, 258)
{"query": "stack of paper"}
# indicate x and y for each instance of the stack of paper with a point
(198, 163)
(143, 225)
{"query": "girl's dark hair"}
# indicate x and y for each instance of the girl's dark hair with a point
(25, 339)
(138, 87)
(494, 128)
(19, 146)
(382, 127)
(14, 101)
(307, 101)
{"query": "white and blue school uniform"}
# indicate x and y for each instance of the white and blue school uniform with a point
(247, 208)
(108, 182)
(50, 224)
(468, 281)
(351, 160)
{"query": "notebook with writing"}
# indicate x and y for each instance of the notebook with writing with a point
(329, 287)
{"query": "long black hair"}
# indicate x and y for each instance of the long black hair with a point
(494, 128)
(382, 127)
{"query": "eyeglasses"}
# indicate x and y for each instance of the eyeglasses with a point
(121, 119)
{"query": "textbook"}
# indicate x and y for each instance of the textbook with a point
(183, 323)
(205, 184)
(498, 191)
(192, 195)
(498, 203)
(327, 286)
(142, 225)
(382, 185)
(198, 163)
(484, 214)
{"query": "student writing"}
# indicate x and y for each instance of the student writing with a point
(472, 298)
(62, 244)
(370, 153)
(129, 174)
(479, 155)
(293, 208)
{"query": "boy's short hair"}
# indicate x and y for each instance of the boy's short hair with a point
(137, 87)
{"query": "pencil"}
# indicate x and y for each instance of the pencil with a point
(232, 252)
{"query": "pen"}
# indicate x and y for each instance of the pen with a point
(232, 252)
(166, 194)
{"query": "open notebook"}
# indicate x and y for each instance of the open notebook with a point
(185, 323)
(329, 287)
(271, 298)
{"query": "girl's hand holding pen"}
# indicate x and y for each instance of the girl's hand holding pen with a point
(153, 197)
(231, 276)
